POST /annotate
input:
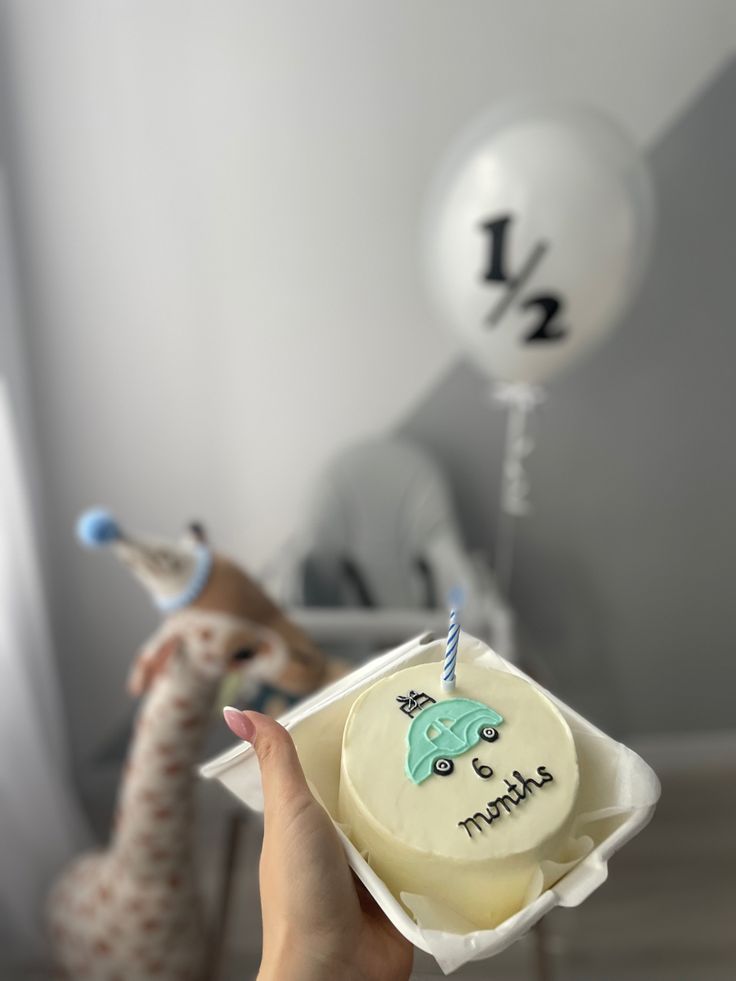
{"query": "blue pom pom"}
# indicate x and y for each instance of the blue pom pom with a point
(97, 527)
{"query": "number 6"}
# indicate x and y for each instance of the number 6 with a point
(482, 769)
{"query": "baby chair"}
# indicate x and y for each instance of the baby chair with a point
(381, 556)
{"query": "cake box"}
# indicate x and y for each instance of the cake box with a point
(616, 798)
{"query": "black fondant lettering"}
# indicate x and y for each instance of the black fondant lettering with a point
(512, 790)
(503, 799)
(544, 774)
(467, 822)
(522, 793)
(493, 808)
(472, 820)
(482, 769)
(528, 783)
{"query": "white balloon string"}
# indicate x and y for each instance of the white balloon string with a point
(520, 399)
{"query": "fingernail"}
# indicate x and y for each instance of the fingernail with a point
(239, 723)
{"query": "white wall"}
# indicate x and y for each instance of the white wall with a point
(218, 211)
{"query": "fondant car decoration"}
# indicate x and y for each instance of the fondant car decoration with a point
(444, 730)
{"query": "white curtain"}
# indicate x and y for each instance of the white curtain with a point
(40, 827)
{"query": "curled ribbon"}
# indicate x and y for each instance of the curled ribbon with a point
(521, 399)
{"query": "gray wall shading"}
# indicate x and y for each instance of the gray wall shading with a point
(624, 577)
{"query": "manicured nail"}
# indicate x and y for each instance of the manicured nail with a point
(239, 723)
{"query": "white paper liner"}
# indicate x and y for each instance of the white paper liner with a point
(616, 799)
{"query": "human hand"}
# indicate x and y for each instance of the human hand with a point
(319, 921)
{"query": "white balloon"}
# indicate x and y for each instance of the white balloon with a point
(538, 233)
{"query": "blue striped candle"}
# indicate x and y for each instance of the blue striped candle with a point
(448, 667)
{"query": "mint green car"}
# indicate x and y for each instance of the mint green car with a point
(444, 730)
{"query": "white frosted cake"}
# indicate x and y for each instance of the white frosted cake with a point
(458, 796)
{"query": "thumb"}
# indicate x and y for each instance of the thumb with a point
(281, 772)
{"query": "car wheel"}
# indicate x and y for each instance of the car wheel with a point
(443, 767)
(488, 733)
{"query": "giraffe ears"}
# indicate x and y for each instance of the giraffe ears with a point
(150, 662)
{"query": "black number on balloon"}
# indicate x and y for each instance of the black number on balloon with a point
(546, 329)
(482, 769)
(495, 273)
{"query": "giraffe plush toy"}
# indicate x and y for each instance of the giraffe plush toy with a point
(132, 911)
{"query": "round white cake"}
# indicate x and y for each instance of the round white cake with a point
(458, 796)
